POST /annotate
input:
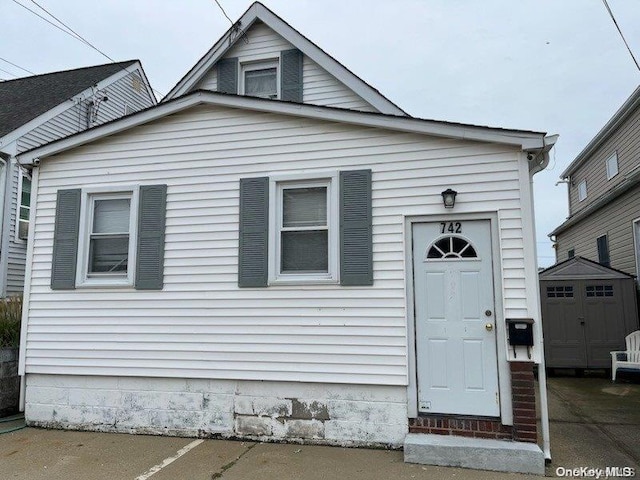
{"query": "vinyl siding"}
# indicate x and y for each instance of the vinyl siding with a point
(17, 250)
(626, 141)
(616, 221)
(70, 121)
(203, 325)
(74, 119)
(319, 87)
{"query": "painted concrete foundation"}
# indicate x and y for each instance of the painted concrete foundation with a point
(334, 414)
(481, 454)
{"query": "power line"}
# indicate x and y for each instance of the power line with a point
(72, 33)
(223, 12)
(6, 71)
(18, 66)
(615, 22)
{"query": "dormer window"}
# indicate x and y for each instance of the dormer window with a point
(260, 79)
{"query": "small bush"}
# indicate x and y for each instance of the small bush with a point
(10, 316)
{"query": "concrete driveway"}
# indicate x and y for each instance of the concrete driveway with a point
(594, 423)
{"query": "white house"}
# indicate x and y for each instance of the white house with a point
(266, 254)
(38, 109)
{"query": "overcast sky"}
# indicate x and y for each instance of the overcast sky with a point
(557, 66)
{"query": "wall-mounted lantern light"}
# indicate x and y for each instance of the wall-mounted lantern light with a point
(449, 198)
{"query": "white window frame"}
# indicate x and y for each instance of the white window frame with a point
(277, 184)
(260, 65)
(635, 225)
(89, 196)
(21, 176)
(582, 197)
(609, 163)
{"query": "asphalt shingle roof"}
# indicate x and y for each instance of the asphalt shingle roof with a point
(23, 99)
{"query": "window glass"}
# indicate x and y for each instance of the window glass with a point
(603, 250)
(612, 166)
(111, 216)
(305, 252)
(582, 190)
(599, 290)
(25, 208)
(304, 231)
(562, 291)
(261, 83)
(451, 247)
(304, 207)
(571, 253)
(109, 238)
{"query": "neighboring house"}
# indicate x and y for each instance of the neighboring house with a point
(284, 267)
(604, 195)
(42, 108)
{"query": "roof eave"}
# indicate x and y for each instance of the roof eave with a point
(614, 122)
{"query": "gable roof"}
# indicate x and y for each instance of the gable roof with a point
(580, 267)
(23, 99)
(258, 12)
(527, 140)
(627, 108)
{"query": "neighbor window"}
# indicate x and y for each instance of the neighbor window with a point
(582, 190)
(24, 208)
(603, 250)
(260, 79)
(612, 166)
(108, 240)
(571, 253)
(305, 231)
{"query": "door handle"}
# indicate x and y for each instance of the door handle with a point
(489, 326)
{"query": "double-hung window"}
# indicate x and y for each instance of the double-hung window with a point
(304, 247)
(24, 209)
(108, 242)
(260, 79)
(582, 190)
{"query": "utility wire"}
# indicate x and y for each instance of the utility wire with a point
(223, 12)
(72, 33)
(7, 72)
(18, 66)
(615, 22)
(75, 34)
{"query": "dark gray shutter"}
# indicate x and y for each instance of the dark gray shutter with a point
(253, 251)
(65, 240)
(228, 75)
(291, 75)
(152, 208)
(356, 244)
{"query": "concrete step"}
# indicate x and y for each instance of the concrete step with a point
(476, 453)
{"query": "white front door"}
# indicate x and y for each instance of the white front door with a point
(455, 320)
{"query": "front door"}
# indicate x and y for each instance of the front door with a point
(455, 320)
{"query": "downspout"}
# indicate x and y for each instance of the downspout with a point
(542, 372)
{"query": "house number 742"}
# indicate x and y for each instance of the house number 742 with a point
(451, 227)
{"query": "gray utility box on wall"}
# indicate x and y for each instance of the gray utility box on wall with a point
(587, 310)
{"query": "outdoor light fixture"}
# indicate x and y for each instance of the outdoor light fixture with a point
(449, 198)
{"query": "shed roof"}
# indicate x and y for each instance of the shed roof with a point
(23, 99)
(577, 268)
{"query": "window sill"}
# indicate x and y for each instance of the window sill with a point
(105, 283)
(291, 280)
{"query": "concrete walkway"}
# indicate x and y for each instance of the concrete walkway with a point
(594, 423)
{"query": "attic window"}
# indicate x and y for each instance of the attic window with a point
(260, 79)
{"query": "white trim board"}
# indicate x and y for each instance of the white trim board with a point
(524, 139)
(258, 12)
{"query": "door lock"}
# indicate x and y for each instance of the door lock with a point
(489, 326)
(487, 313)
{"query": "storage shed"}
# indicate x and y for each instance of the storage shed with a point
(587, 310)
